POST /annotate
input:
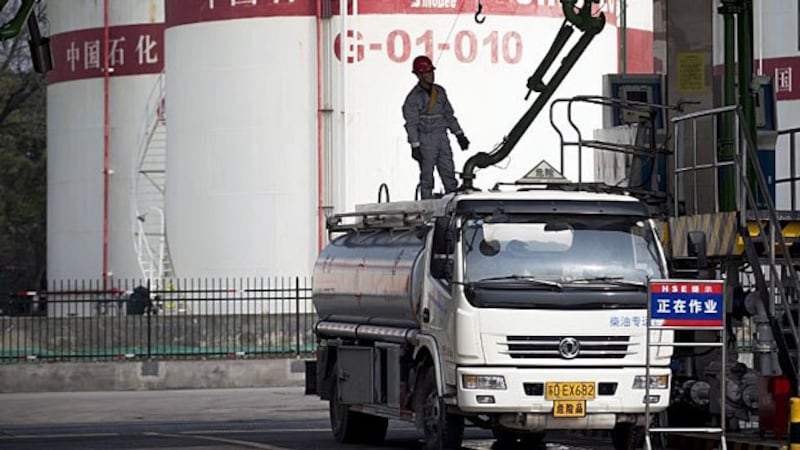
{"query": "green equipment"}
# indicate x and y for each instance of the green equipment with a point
(41, 55)
(574, 18)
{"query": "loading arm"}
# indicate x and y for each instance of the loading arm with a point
(590, 26)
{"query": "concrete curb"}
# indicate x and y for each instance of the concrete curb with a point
(151, 375)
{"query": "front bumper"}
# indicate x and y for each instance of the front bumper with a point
(516, 407)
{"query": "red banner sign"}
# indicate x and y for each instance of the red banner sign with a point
(132, 50)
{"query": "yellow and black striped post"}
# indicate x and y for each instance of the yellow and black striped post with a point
(794, 423)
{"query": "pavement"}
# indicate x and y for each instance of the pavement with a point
(58, 408)
(31, 392)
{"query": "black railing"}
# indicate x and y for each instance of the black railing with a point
(193, 318)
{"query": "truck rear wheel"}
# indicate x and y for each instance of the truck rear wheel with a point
(441, 430)
(627, 436)
(511, 440)
(354, 427)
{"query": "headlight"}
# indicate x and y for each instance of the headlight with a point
(656, 381)
(483, 382)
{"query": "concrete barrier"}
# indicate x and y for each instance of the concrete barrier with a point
(151, 375)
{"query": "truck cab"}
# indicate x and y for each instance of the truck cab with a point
(520, 311)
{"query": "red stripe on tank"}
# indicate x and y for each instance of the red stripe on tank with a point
(182, 12)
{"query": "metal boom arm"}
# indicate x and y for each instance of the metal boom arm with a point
(590, 26)
(13, 27)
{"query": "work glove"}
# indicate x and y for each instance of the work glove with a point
(463, 142)
(416, 153)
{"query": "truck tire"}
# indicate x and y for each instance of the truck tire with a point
(441, 430)
(512, 440)
(350, 427)
(627, 436)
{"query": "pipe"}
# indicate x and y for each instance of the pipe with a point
(383, 333)
(746, 94)
(764, 348)
(342, 156)
(760, 39)
(106, 132)
(624, 36)
(726, 144)
(320, 160)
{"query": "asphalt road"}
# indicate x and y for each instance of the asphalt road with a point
(271, 419)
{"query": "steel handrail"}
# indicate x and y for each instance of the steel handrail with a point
(793, 178)
(774, 222)
(580, 143)
(695, 167)
(745, 152)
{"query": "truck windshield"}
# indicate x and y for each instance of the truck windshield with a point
(618, 251)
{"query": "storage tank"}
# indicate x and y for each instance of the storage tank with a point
(88, 236)
(269, 129)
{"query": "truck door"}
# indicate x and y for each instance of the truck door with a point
(437, 303)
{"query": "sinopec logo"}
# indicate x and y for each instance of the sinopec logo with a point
(433, 4)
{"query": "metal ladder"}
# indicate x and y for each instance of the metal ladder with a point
(149, 179)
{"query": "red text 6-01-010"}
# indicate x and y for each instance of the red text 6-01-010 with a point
(502, 48)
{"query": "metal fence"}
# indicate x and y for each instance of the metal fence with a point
(186, 318)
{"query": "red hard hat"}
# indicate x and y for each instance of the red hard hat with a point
(422, 64)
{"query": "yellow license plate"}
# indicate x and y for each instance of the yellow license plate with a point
(569, 390)
(569, 408)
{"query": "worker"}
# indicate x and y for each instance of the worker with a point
(428, 114)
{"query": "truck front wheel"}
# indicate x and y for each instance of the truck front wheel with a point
(354, 427)
(441, 430)
(627, 436)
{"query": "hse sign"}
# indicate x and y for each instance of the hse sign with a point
(690, 303)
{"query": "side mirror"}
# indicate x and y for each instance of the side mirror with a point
(489, 248)
(443, 237)
(442, 268)
(698, 248)
(696, 265)
(444, 245)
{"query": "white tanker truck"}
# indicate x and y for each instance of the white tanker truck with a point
(520, 311)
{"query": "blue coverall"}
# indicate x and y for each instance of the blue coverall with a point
(427, 125)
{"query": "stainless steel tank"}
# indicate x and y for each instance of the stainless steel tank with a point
(370, 276)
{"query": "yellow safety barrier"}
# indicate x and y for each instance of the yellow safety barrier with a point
(794, 423)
